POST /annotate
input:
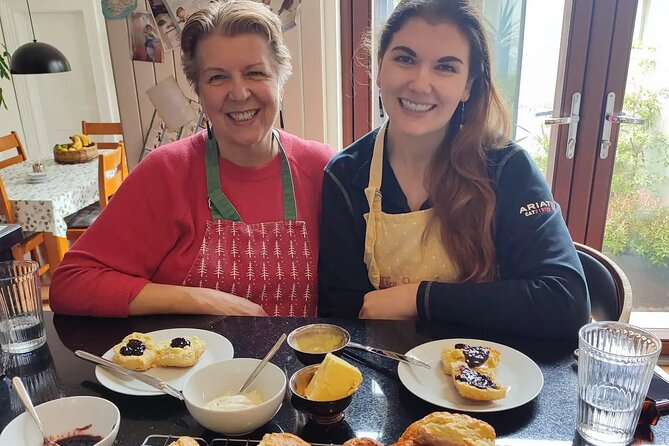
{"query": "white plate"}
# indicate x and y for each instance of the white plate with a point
(218, 349)
(518, 373)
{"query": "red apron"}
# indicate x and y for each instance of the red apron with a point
(268, 263)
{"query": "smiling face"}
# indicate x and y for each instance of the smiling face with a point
(423, 76)
(239, 89)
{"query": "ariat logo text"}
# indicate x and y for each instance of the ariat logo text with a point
(537, 207)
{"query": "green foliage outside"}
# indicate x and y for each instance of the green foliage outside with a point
(4, 71)
(638, 220)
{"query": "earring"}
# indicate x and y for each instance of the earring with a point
(210, 134)
(381, 111)
(462, 114)
(281, 119)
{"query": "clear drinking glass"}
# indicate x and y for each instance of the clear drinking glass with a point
(21, 317)
(615, 366)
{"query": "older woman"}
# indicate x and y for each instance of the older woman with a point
(223, 222)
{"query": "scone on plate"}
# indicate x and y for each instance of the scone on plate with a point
(476, 385)
(448, 429)
(477, 357)
(135, 352)
(283, 439)
(184, 441)
(180, 352)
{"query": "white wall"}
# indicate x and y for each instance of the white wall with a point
(312, 99)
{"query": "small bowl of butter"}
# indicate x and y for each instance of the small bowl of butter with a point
(325, 390)
(312, 342)
(211, 397)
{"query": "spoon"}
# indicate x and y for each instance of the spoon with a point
(270, 354)
(28, 404)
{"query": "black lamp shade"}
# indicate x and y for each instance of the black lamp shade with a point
(38, 58)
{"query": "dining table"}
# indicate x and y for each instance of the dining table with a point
(382, 408)
(42, 206)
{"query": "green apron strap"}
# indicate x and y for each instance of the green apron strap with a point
(221, 208)
(289, 206)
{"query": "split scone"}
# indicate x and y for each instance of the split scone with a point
(477, 357)
(180, 352)
(184, 441)
(135, 352)
(282, 439)
(447, 429)
(476, 385)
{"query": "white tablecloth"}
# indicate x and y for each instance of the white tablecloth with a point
(42, 207)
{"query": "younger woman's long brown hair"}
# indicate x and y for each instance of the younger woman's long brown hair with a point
(458, 182)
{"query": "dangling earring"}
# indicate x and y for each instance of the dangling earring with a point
(281, 118)
(381, 111)
(462, 114)
(210, 134)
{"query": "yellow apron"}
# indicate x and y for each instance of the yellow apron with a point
(396, 252)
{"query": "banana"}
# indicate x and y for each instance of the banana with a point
(86, 141)
(76, 142)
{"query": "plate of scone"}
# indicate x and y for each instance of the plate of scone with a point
(170, 355)
(472, 375)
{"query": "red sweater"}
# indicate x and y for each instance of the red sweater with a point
(153, 227)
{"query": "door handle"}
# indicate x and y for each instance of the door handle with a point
(572, 121)
(613, 118)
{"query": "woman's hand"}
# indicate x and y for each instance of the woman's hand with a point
(172, 299)
(398, 302)
(218, 302)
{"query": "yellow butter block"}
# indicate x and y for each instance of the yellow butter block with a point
(335, 379)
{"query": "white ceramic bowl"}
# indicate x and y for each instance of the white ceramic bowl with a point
(62, 416)
(223, 377)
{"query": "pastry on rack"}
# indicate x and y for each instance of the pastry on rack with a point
(447, 429)
(184, 441)
(135, 352)
(364, 441)
(476, 385)
(282, 439)
(180, 352)
(478, 357)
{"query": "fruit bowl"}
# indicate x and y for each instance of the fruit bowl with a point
(82, 155)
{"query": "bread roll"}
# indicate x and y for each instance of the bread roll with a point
(283, 439)
(364, 441)
(447, 429)
(184, 441)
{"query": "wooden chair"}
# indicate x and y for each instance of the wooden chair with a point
(31, 240)
(110, 176)
(103, 129)
(609, 288)
(12, 142)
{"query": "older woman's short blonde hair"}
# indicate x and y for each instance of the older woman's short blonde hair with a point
(232, 18)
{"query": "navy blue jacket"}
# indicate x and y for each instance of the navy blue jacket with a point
(539, 290)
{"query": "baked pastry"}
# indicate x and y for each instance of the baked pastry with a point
(447, 429)
(364, 441)
(476, 385)
(180, 352)
(481, 358)
(283, 439)
(135, 352)
(184, 441)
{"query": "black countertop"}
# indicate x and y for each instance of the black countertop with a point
(382, 408)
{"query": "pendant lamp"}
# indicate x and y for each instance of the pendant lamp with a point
(37, 57)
